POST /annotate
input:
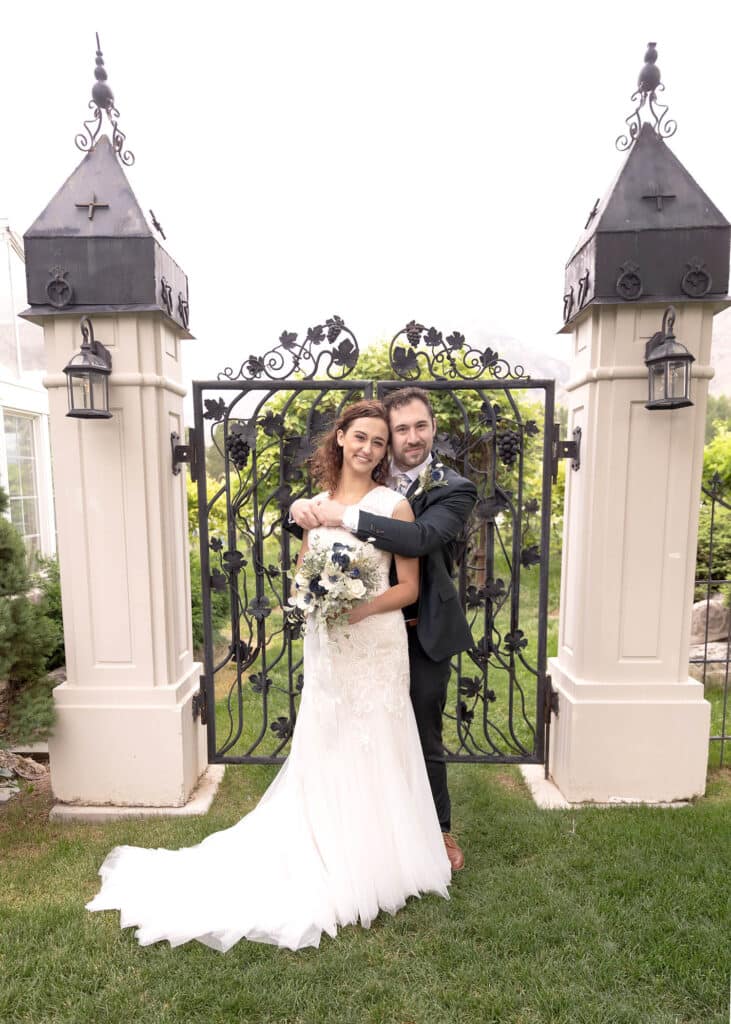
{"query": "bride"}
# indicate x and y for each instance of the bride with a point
(348, 826)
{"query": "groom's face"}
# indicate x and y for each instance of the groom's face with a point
(412, 433)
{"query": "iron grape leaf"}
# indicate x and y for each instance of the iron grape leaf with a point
(233, 561)
(283, 496)
(414, 332)
(515, 641)
(300, 683)
(455, 340)
(445, 445)
(259, 608)
(490, 507)
(282, 728)
(474, 597)
(255, 366)
(273, 570)
(244, 429)
(530, 556)
(490, 696)
(482, 650)
(215, 409)
(404, 360)
(495, 589)
(464, 713)
(215, 544)
(218, 580)
(241, 651)
(531, 507)
(489, 358)
(433, 337)
(345, 354)
(260, 683)
(470, 686)
(288, 339)
(531, 428)
(316, 335)
(272, 423)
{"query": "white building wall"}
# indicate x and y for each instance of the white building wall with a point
(21, 383)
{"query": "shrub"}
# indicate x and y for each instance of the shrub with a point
(220, 605)
(26, 635)
(49, 583)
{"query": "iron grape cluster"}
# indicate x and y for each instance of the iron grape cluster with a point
(238, 450)
(508, 446)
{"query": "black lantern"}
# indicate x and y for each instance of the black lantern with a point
(87, 377)
(668, 363)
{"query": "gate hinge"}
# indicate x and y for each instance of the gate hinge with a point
(551, 699)
(565, 450)
(185, 453)
(200, 705)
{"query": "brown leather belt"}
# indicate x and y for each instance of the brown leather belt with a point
(411, 622)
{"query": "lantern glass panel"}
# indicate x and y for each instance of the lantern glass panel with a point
(678, 379)
(657, 382)
(98, 390)
(81, 391)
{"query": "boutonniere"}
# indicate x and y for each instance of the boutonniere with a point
(433, 475)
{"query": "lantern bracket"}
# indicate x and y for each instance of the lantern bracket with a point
(565, 450)
(184, 453)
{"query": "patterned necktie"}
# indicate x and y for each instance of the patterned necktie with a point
(403, 482)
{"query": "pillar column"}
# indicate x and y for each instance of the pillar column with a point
(125, 731)
(632, 724)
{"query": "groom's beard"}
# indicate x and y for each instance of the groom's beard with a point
(410, 458)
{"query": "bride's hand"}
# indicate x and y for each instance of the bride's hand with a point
(358, 613)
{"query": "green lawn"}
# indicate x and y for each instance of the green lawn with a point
(596, 916)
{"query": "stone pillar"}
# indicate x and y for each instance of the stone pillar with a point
(632, 725)
(125, 733)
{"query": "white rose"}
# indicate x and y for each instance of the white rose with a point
(356, 588)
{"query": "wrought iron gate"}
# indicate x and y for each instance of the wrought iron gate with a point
(254, 430)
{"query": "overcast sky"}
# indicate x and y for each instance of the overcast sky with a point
(383, 160)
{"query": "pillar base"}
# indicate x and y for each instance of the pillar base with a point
(127, 746)
(628, 742)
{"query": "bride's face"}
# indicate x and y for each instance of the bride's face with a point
(364, 443)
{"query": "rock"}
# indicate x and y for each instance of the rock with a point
(718, 620)
(24, 767)
(716, 659)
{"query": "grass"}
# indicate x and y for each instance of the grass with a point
(616, 916)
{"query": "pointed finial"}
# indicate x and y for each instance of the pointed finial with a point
(648, 86)
(102, 101)
(101, 93)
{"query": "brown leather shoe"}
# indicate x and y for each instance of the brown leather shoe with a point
(456, 857)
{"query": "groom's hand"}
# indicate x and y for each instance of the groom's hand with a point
(303, 512)
(329, 512)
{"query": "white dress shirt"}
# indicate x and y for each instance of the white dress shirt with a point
(352, 512)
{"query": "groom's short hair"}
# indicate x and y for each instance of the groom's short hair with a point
(402, 396)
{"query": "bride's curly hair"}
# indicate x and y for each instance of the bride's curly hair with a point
(327, 462)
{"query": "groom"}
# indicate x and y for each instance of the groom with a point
(436, 626)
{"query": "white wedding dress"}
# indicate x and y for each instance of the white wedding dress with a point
(347, 828)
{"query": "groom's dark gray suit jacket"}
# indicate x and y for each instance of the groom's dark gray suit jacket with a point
(441, 514)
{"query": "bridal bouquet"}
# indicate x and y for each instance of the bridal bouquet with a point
(332, 579)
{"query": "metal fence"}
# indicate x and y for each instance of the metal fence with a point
(710, 658)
